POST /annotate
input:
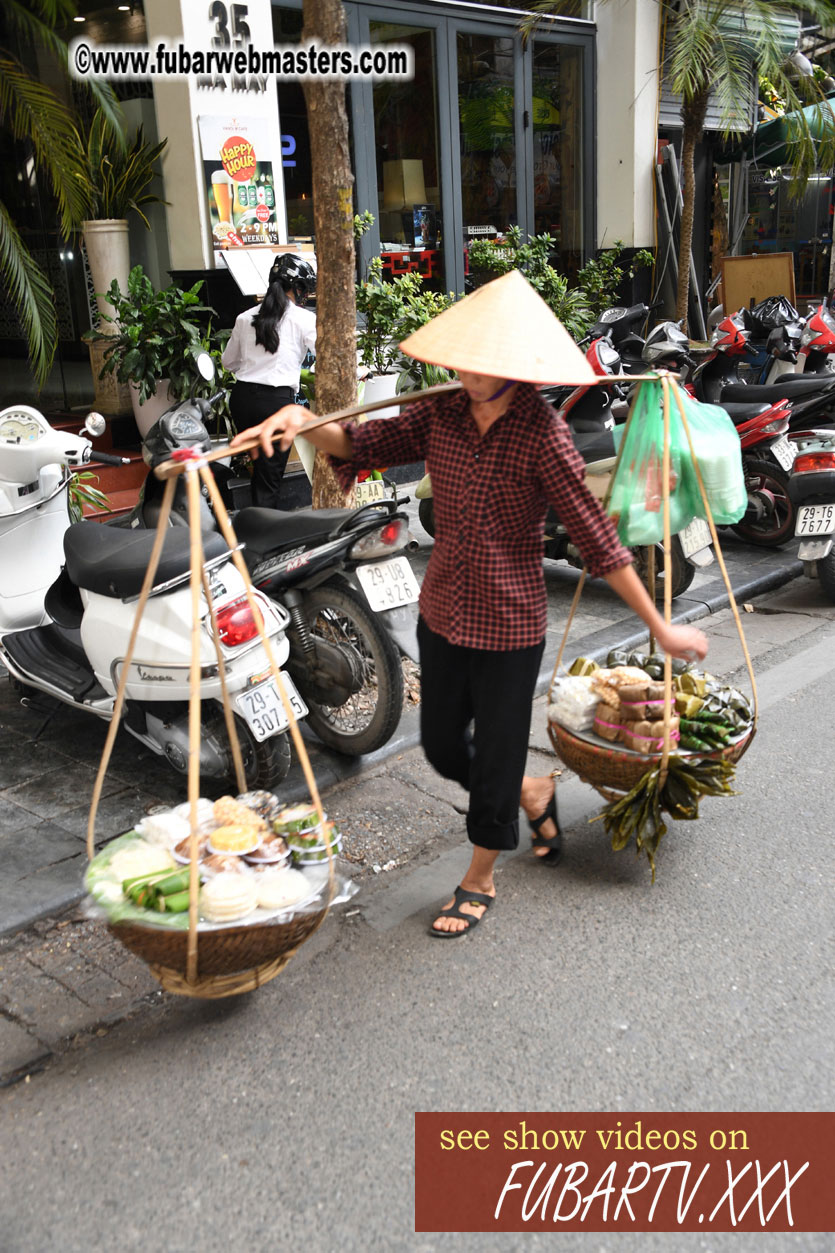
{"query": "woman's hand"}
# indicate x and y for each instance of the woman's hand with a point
(686, 642)
(286, 422)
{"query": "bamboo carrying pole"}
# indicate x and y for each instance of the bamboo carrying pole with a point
(168, 468)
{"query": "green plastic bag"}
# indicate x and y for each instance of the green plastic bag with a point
(719, 454)
(636, 502)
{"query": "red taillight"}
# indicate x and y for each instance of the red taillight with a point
(809, 462)
(390, 533)
(236, 623)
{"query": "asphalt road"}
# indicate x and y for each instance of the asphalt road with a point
(286, 1118)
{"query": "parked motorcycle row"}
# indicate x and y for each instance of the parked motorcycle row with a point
(336, 591)
(337, 597)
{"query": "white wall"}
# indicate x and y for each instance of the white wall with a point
(179, 103)
(627, 132)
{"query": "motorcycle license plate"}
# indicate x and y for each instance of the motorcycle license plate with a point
(815, 520)
(262, 708)
(370, 491)
(783, 450)
(694, 537)
(388, 584)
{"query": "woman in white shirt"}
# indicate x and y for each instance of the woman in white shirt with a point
(265, 350)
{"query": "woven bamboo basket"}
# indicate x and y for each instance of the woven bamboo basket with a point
(613, 769)
(618, 770)
(229, 960)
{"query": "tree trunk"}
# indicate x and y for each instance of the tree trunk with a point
(333, 216)
(693, 116)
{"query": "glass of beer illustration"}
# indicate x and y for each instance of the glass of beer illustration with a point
(222, 190)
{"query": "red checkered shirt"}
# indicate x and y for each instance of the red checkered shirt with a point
(484, 586)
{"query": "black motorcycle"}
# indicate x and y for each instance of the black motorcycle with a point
(341, 575)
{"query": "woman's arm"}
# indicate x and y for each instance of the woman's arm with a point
(687, 642)
(232, 356)
(287, 423)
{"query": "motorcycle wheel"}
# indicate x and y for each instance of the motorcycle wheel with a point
(266, 763)
(369, 717)
(826, 575)
(778, 526)
(682, 571)
(426, 514)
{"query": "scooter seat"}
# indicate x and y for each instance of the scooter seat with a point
(789, 387)
(742, 413)
(113, 562)
(266, 530)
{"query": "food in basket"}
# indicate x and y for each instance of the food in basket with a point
(205, 814)
(313, 847)
(229, 812)
(182, 851)
(273, 848)
(234, 838)
(166, 829)
(138, 859)
(296, 819)
(583, 667)
(573, 703)
(217, 863)
(165, 893)
(607, 724)
(607, 683)
(279, 888)
(228, 897)
(648, 737)
(264, 804)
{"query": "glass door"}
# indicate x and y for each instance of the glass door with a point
(559, 149)
(487, 70)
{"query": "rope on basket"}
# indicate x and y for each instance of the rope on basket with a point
(194, 466)
(668, 385)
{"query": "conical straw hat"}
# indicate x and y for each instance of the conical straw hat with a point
(506, 330)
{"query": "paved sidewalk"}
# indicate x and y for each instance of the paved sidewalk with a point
(46, 779)
(64, 980)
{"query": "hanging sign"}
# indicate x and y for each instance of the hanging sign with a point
(239, 181)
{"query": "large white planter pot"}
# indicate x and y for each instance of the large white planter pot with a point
(154, 407)
(108, 255)
(380, 387)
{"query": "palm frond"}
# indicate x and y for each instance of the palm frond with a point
(31, 296)
(39, 29)
(33, 111)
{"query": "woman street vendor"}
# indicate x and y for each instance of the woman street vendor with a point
(498, 456)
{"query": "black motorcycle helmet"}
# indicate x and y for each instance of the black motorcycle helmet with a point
(295, 275)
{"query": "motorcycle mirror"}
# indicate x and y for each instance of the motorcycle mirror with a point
(205, 366)
(94, 424)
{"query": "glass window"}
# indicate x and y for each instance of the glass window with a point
(488, 149)
(295, 139)
(407, 158)
(557, 122)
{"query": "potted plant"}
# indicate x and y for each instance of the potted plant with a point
(390, 312)
(155, 343)
(118, 172)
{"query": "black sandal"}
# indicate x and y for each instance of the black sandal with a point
(554, 842)
(462, 896)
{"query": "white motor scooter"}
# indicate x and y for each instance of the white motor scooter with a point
(68, 598)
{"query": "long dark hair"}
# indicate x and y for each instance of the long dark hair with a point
(266, 320)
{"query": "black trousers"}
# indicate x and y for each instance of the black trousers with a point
(249, 404)
(475, 721)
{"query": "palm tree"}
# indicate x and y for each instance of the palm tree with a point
(34, 113)
(712, 49)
